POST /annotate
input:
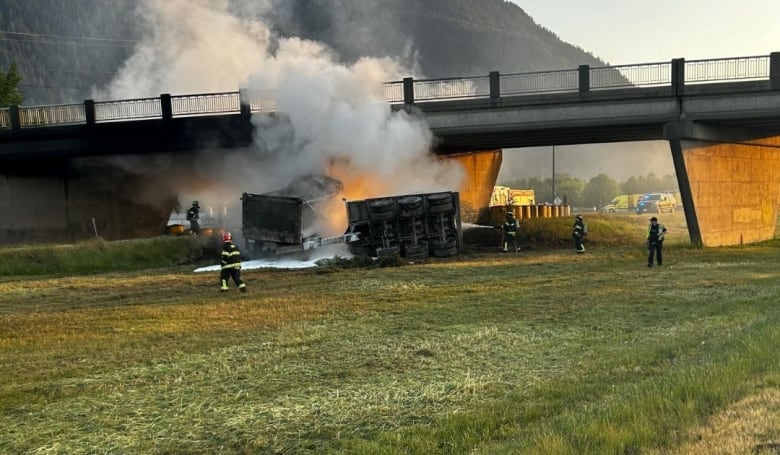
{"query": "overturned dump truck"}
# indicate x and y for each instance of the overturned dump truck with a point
(412, 226)
(285, 221)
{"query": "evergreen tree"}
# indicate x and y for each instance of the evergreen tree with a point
(9, 87)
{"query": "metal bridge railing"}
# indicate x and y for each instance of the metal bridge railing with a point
(539, 82)
(678, 71)
(63, 114)
(206, 103)
(642, 75)
(727, 69)
(262, 102)
(451, 88)
(141, 108)
(394, 92)
(5, 118)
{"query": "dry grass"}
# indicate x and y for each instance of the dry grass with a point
(541, 352)
(749, 426)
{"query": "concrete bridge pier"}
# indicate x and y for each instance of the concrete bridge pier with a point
(729, 182)
(481, 170)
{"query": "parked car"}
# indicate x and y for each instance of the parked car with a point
(656, 203)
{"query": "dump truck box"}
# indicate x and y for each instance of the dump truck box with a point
(413, 226)
(278, 222)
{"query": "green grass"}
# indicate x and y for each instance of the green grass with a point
(540, 352)
(97, 255)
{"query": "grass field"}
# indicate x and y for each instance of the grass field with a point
(541, 352)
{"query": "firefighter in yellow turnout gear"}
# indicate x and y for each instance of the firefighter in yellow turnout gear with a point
(231, 264)
(510, 233)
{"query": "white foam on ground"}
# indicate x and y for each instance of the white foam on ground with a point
(301, 260)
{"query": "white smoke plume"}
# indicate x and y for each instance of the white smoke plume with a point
(334, 120)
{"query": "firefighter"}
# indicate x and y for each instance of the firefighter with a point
(193, 213)
(510, 232)
(655, 241)
(231, 264)
(579, 232)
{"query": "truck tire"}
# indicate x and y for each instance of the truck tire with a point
(393, 251)
(410, 203)
(439, 199)
(381, 206)
(419, 251)
(443, 244)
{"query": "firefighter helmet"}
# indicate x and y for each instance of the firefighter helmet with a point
(226, 237)
(579, 217)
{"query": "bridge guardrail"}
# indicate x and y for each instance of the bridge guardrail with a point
(539, 82)
(262, 102)
(727, 69)
(62, 114)
(622, 76)
(494, 85)
(136, 109)
(5, 118)
(394, 92)
(205, 103)
(451, 88)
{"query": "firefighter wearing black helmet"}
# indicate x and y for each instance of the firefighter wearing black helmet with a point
(231, 264)
(510, 232)
(193, 214)
(579, 232)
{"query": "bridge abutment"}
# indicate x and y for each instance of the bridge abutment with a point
(58, 206)
(729, 181)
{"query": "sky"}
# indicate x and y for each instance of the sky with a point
(622, 32)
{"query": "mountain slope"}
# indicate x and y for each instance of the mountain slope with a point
(64, 50)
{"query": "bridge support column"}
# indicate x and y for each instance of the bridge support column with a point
(729, 182)
(481, 174)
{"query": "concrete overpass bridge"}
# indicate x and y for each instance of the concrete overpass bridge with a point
(721, 118)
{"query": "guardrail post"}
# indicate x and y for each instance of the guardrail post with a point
(165, 106)
(678, 76)
(774, 70)
(584, 79)
(244, 103)
(408, 90)
(13, 112)
(495, 88)
(89, 111)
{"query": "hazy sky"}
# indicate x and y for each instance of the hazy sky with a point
(622, 32)
(627, 31)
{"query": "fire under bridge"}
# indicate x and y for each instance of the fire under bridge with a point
(721, 118)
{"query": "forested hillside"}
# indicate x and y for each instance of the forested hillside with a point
(66, 49)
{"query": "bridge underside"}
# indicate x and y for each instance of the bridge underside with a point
(729, 181)
(62, 202)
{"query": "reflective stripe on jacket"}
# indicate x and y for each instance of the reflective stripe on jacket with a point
(579, 229)
(231, 256)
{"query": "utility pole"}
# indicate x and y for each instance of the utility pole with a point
(553, 174)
